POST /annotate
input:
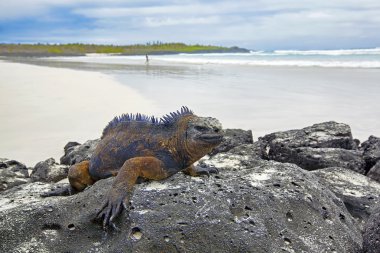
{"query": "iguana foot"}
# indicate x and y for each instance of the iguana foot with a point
(120, 193)
(112, 208)
(60, 191)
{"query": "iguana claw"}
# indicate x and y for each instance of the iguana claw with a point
(111, 209)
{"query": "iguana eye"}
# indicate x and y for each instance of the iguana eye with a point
(201, 128)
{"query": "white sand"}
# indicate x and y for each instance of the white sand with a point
(52, 106)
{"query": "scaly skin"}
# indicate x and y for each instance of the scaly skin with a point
(138, 147)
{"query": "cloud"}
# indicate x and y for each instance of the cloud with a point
(256, 24)
(166, 21)
(16, 9)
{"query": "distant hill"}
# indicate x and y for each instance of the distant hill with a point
(138, 49)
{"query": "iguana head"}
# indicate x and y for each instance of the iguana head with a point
(195, 136)
(202, 135)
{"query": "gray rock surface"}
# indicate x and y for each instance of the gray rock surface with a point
(319, 146)
(255, 149)
(70, 144)
(318, 158)
(233, 138)
(22, 196)
(371, 151)
(358, 192)
(371, 235)
(323, 135)
(251, 206)
(75, 152)
(12, 173)
(374, 172)
(49, 171)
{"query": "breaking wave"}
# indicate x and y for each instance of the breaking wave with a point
(278, 62)
(347, 58)
(344, 58)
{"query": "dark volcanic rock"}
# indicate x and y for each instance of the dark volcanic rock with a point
(69, 145)
(371, 235)
(371, 151)
(255, 149)
(12, 173)
(75, 153)
(317, 158)
(319, 146)
(358, 192)
(374, 172)
(323, 135)
(251, 206)
(233, 138)
(49, 171)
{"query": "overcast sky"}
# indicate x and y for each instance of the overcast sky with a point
(255, 24)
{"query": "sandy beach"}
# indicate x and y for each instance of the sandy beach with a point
(43, 108)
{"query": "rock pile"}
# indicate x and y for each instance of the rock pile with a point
(12, 173)
(294, 191)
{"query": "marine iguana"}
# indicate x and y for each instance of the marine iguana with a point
(136, 147)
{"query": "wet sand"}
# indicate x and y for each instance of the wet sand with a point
(42, 108)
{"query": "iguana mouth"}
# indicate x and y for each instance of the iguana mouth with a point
(211, 138)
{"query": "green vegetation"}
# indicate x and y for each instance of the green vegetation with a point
(138, 49)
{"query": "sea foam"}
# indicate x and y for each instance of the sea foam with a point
(277, 62)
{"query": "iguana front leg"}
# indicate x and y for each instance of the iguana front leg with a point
(196, 171)
(122, 188)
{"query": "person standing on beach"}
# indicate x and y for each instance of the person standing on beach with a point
(147, 59)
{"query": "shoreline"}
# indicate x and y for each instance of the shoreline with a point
(43, 108)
